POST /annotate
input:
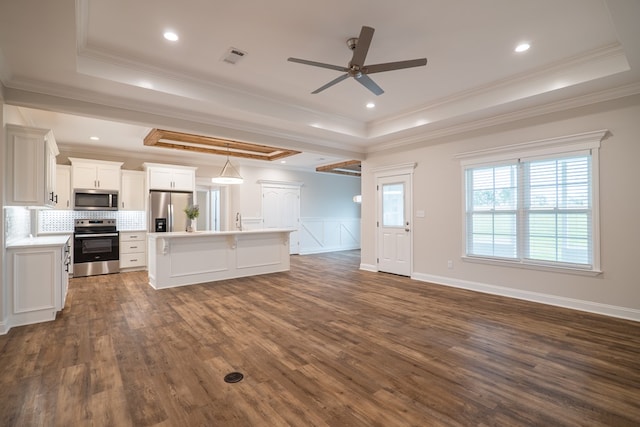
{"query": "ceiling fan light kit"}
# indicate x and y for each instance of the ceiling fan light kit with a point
(356, 68)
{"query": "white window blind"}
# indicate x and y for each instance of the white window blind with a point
(535, 203)
(492, 203)
(532, 210)
(557, 220)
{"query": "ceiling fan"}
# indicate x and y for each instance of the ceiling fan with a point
(356, 67)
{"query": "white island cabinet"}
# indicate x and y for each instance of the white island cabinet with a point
(187, 258)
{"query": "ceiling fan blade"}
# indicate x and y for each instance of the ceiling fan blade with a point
(366, 81)
(331, 83)
(362, 47)
(389, 66)
(318, 64)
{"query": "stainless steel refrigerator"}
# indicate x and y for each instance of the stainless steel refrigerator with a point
(166, 210)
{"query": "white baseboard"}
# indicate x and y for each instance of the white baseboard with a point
(369, 267)
(575, 304)
(4, 327)
(326, 250)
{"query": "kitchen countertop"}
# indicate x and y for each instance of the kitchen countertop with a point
(40, 241)
(219, 233)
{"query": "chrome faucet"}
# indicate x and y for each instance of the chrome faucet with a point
(239, 221)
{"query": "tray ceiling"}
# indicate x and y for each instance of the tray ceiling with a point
(109, 60)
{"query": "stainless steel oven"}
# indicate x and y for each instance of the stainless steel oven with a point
(96, 247)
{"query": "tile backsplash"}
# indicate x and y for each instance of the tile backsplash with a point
(17, 223)
(59, 221)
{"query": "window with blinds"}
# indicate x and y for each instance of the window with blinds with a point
(556, 219)
(533, 207)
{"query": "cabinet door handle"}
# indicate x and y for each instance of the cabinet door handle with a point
(56, 199)
(134, 260)
(134, 247)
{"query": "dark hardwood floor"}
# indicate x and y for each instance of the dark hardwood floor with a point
(322, 345)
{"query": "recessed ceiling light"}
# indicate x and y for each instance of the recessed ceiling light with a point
(171, 36)
(94, 138)
(283, 161)
(522, 47)
(370, 105)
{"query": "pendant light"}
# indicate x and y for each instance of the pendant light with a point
(228, 174)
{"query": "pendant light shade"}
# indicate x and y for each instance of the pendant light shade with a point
(228, 174)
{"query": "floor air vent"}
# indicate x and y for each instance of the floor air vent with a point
(233, 377)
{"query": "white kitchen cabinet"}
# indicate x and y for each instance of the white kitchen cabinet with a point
(133, 250)
(39, 278)
(31, 167)
(63, 187)
(95, 174)
(170, 177)
(132, 195)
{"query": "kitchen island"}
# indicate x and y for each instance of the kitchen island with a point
(187, 258)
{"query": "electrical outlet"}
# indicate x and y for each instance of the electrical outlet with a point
(449, 264)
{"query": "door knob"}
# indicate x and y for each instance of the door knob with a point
(406, 229)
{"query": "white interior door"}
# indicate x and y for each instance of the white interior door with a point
(281, 209)
(394, 226)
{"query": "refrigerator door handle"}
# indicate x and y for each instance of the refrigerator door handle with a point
(170, 217)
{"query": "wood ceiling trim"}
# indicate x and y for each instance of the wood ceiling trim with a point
(218, 146)
(350, 167)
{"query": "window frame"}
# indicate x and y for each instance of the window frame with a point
(553, 148)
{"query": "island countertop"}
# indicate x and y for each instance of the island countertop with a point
(170, 234)
(186, 258)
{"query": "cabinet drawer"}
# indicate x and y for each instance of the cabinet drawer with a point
(127, 247)
(138, 259)
(128, 236)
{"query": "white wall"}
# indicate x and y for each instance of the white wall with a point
(330, 220)
(438, 191)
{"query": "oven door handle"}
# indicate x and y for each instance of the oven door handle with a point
(82, 236)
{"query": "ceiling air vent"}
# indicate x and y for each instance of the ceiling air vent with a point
(233, 55)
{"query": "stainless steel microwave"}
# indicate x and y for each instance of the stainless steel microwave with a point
(95, 200)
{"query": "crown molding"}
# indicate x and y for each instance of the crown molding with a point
(521, 114)
(85, 103)
(596, 64)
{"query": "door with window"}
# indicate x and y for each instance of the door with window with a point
(394, 224)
